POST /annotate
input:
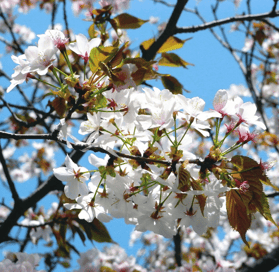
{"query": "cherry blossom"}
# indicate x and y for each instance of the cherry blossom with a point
(91, 126)
(223, 104)
(18, 76)
(75, 177)
(159, 172)
(24, 262)
(58, 38)
(118, 5)
(194, 108)
(246, 114)
(82, 46)
(90, 209)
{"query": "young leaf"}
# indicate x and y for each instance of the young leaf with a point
(91, 31)
(100, 232)
(251, 170)
(146, 44)
(237, 214)
(59, 105)
(101, 54)
(184, 181)
(172, 84)
(172, 43)
(201, 198)
(117, 59)
(263, 207)
(255, 199)
(172, 60)
(127, 21)
(96, 231)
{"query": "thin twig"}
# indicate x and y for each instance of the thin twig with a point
(66, 20)
(11, 31)
(8, 177)
(238, 18)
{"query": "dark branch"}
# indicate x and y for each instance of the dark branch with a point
(50, 185)
(177, 248)
(8, 177)
(267, 263)
(169, 31)
(66, 20)
(84, 147)
(11, 31)
(272, 194)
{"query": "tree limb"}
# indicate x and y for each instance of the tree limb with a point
(51, 184)
(8, 177)
(169, 31)
(266, 263)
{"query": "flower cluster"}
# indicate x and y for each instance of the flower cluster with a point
(20, 262)
(150, 193)
(155, 173)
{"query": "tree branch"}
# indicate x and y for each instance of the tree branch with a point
(266, 263)
(66, 20)
(177, 248)
(8, 177)
(84, 147)
(11, 31)
(249, 17)
(50, 185)
(169, 31)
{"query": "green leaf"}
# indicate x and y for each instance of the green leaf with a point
(127, 21)
(92, 32)
(100, 232)
(172, 43)
(101, 54)
(263, 207)
(96, 231)
(80, 233)
(172, 84)
(65, 264)
(106, 269)
(173, 60)
(100, 101)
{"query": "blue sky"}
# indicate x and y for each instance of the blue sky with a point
(214, 68)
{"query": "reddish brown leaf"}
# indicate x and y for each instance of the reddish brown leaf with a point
(59, 105)
(237, 213)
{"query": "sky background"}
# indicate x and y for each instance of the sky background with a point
(214, 68)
